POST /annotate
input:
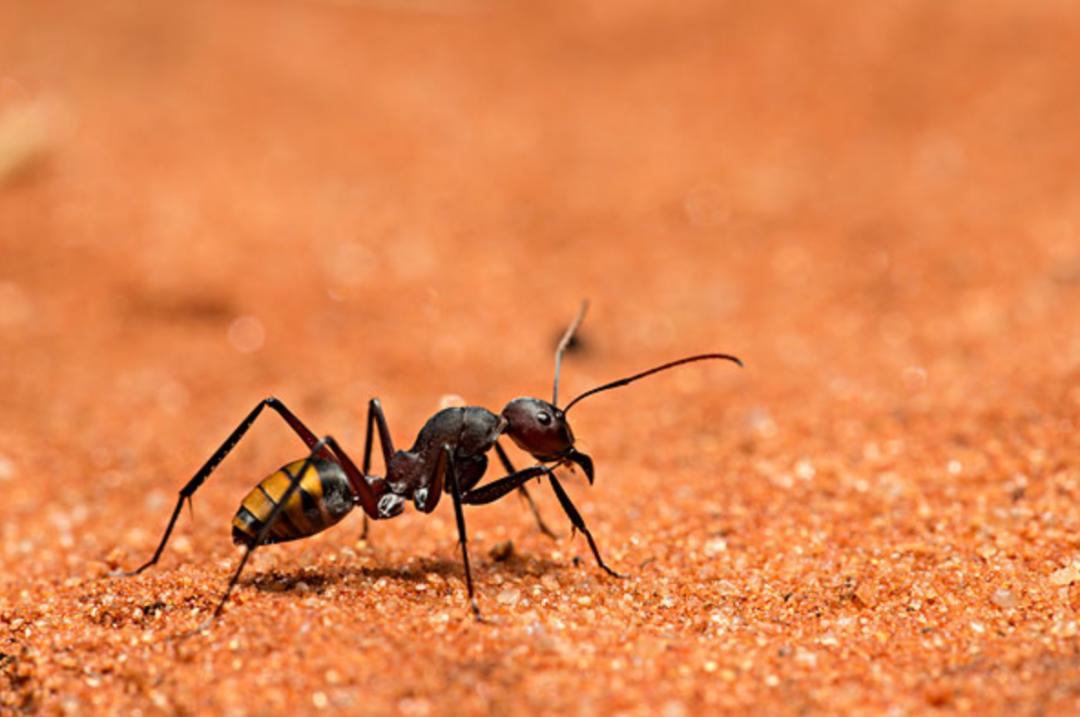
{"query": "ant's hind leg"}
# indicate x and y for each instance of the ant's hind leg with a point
(218, 456)
(579, 523)
(264, 531)
(523, 491)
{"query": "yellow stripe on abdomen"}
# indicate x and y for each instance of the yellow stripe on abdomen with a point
(307, 511)
(305, 514)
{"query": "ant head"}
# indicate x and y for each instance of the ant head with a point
(541, 429)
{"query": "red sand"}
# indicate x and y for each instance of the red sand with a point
(876, 207)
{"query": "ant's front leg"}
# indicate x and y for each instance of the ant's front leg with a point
(218, 456)
(505, 459)
(578, 522)
(375, 417)
(497, 489)
(491, 492)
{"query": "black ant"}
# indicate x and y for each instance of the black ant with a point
(450, 453)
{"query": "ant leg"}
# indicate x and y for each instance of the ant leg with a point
(524, 493)
(446, 466)
(218, 456)
(491, 492)
(497, 489)
(576, 520)
(367, 494)
(264, 531)
(375, 414)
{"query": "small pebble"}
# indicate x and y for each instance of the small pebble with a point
(865, 594)
(804, 469)
(715, 546)
(414, 707)
(674, 708)
(1004, 599)
(1066, 576)
(509, 596)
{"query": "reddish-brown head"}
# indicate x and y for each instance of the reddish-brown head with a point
(541, 429)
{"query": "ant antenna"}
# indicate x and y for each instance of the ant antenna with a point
(563, 343)
(643, 374)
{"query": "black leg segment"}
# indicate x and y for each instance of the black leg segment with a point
(446, 464)
(264, 531)
(576, 520)
(505, 460)
(491, 492)
(219, 455)
(375, 416)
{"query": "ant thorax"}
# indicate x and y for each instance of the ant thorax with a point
(468, 433)
(469, 430)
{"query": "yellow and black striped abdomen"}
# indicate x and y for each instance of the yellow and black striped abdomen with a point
(323, 498)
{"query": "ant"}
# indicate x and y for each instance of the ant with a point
(308, 496)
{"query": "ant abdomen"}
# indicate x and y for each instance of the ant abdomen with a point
(322, 500)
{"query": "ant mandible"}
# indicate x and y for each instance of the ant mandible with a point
(450, 453)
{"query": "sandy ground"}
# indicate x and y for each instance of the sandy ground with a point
(876, 205)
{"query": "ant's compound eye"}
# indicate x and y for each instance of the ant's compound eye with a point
(544, 417)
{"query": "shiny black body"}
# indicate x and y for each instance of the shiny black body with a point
(470, 431)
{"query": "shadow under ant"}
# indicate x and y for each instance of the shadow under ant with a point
(518, 566)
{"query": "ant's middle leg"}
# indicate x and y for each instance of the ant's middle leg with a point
(218, 456)
(375, 416)
(445, 467)
(523, 491)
